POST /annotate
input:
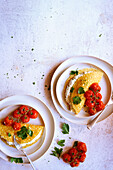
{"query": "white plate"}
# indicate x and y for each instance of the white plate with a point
(108, 69)
(105, 88)
(37, 150)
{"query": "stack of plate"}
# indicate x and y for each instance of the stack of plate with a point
(61, 75)
(45, 118)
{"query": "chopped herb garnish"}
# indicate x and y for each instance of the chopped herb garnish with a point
(32, 49)
(65, 128)
(21, 79)
(34, 60)
(24, 132)
(72, 88)
(11, 36)
(81, 90)
(74, 72)
(69, 137)
(75, 143)
(14, 76)
(33, 83)
(57, 152)
(76, 100)
(9, 134)
(61, 142)
(100, 35)
(16, 160)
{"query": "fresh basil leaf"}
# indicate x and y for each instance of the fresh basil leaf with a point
(65, 128)
(16, 160)
(61, 142)
(30, 132)
(72, 88)
(57, 152)
(24, 132)
(81, 90)
(9, 134)
(75, 143)
(76, 100)
(74, 72)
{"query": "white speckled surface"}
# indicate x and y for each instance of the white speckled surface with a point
(56, 30)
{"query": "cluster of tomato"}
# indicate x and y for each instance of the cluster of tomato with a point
(93, 99)
(76, 154)
(22, 114)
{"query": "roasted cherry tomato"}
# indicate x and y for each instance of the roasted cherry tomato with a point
(98, 96)
(72, 152)
(25, 118)
(33, 114)
(8, 121)
(81, 157)
(100, 106)
(66, 157)
(90, 103)
(89, 94)
(74, 163)
(16, 114)
(92, 111)
(81, 147)
(16, 126)
(95, 87)
(23, 109)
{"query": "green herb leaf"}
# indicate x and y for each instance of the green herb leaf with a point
(9, 134)
(61, 142)
(30, 132)
(16, 160)
(100, 35)
(75, 143)
(33, 83)
(57, 152)
(76, 100)
(65, 128)
(81, 90)
(72, 88)
(24, 132)
(74, 72)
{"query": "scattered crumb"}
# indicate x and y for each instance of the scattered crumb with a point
(33, 83)
(11, 36)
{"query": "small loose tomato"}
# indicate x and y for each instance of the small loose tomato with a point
(16, 126)
(98, 96)
(33, 114)
(89, 94)
(23, 109)
(75, 163)
(16, 114)
(72, 152)
(95, 87)
(100, 106)
(25, 118)
(66, 157)
(90, 103)
(92, 111)
(8, 121)
(81, 157)
(82, 147)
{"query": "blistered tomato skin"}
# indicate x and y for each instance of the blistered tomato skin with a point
(8, 121)
(90, 103)
(66, 157)
(16, 114)
(72, 152)
(23, 109)
(75, 163)
(81, 157)
(25, 118)
(33, 114)
(89, 94)
(81, 147)
(92, 111)
(100, 106)
(16, 126)
(95, 87)
(98, 97)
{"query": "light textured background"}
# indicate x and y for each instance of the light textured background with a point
(56, 30)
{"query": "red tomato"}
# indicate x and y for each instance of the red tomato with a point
(92, 111)
(72, 152)
(90, 103)
(16, 126)
(8, 121)
(89, 94)
(66, 157)
(25, 118)
(82, 147)
(95, 87)
(81, 157)
(98, 96)
(74, 163)
(100, 106)
(16, 114)
(33, 114)
(23, 109)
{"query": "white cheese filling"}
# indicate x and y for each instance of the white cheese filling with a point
(24, 144)
(70, 85)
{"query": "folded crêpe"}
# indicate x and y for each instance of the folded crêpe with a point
(85, 78)
(30, 140)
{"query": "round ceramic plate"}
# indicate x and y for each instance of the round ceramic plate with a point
(105, 88)
(45, 118)
(78, 60)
